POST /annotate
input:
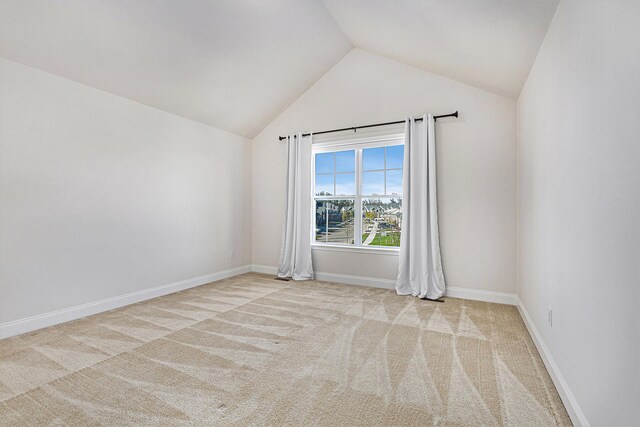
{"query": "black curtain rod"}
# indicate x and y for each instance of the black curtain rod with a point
(355, 128)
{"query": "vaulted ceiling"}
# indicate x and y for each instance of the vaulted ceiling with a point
(490, 44)
(236, 64)
(228, 63)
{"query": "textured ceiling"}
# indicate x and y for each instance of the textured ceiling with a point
(236, 64)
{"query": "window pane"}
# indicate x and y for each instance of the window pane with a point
(334, 221)
(345, 184)
(381, 222)
(346, 161)
(394, 182)
(372, 158)
(324, 163)
(373, 183)
(395, 156)
(324, 184)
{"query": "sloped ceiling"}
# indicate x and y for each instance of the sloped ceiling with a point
(233, 64)
(236, 64)
(490, 44)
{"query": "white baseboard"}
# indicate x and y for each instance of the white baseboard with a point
(481, 295)
(568, 398)
(356, 280)
(466, 293)
(331, 277)
(29, 324)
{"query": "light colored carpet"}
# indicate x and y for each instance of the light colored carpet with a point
(253, 350)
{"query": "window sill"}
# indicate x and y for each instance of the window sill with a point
(356, 249)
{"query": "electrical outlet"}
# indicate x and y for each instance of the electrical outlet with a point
(550, 316)
(232, 254)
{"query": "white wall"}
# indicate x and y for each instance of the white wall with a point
(101, 196)
(476, 155)
(579, 203)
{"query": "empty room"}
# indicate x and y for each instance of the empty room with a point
(320, 212)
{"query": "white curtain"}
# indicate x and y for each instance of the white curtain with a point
(420, 267)
(295, 252)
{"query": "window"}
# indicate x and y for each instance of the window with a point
(358, 193)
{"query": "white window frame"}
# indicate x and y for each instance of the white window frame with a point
(358, 144)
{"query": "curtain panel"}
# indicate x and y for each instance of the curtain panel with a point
(420, 266)
(295, 252)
